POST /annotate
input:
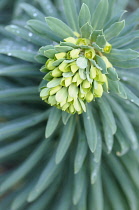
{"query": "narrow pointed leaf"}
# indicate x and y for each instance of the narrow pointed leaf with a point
(53, 121)
(90, 129)
(100, 14)
(71, 14)
(84, 15)
(114, 30)
(59, 28)
(65, 139)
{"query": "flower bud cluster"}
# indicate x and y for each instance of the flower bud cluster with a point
(74, 76)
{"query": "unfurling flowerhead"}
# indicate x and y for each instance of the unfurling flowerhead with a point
(79, 68)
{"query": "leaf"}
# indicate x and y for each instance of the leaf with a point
(131, 96)
(63, 48)
(81, 152)
(124, 144)
(108, 135)
(40, 59)
(12, 148)
(100, 14)
(125, 40)
(102, 64)
(133, 18)
(112, 192)
(84, 15)
(42, 202)
(65, 117)
(16, 92)
(95, 34)
(53, 83)
(59, 28)
(86, 30)
(48, 7)
(116, 87)
(82, 62)
(112, 74)
(44, 48)
(79, 184)
(98, 152)
(114, 30)
(42, 29)
(96, 195)
(50, 53)
(129, 64)
(125, 122)
(101, 41)
(20, 70)
(24, 55)
(71, 14)
(90, 128)
(124, 180)
(114, 19)
(65, 140)
(53, 120)
(47, 176)
(94, 169)
(107, 113)
(16, 126)
(24, 168)
(20, 199)
(122, 55)
(27, 35)
(32, 11)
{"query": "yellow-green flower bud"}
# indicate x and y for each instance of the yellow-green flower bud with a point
(77, 79)
(93, 71)
(82, 41)
(66, 81)
(99, 91)
(86, 84)
(74, 67)
(62, 67)
(107, 62)
(52, 100)
(71, 109)
(81, 96)
(74, 53)
(90, 53)
(65, 106)
(89, 97)
(56, 72)
(107, 48)
(49, 64)
(71, 40)
(76, 34)
(44, 93)
(60, 55)
(54, 90)
(77, 105)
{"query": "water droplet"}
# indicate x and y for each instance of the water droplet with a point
(13, 26)
(132, 100)
(124, 78)
(88, 118)
(30, 34)
(9, 54)
(35, 14)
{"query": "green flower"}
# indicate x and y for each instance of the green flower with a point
(76, 76)
(80, 67)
